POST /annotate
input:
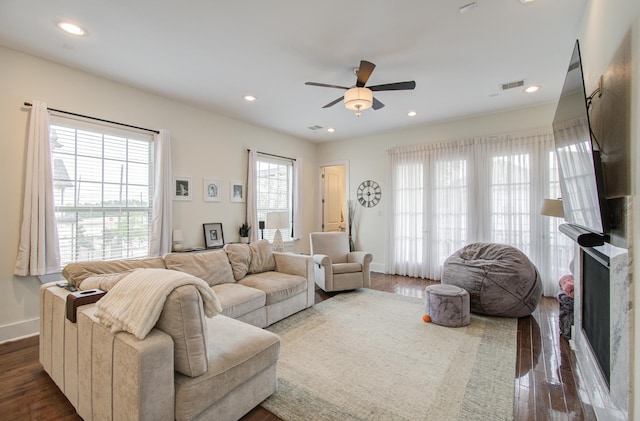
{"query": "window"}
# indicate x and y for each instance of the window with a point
(274, 192)
(103, 189)
(447, 195)
(511, 201)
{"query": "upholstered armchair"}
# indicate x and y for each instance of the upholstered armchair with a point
(336, 268)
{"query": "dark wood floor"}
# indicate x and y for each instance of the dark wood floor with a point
(546, 387)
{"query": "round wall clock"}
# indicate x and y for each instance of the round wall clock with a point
(369, 193)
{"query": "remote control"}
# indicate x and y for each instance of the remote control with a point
(67, 286)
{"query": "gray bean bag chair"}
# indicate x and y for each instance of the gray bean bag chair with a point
(500, 279)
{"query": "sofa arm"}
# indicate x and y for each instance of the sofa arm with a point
(292, 264)
(364, 258)
(323, 271)
(143, 371)
(301, 265)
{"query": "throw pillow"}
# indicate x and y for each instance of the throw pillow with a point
(240, 257)
(262, 259)
(211, 266)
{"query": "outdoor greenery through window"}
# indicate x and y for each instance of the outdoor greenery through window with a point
(103, 190)
(274, 191)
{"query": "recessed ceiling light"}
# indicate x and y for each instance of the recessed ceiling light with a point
(249, 98)
(532, 88)
(331, 130)
(412, 113)
(71, 28)
(526, 1)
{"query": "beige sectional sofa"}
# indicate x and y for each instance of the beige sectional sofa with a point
(189, 366)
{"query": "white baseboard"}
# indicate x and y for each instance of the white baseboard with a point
(377, 267)
(19, 330)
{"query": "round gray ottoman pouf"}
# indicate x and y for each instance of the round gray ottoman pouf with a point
(447, 305)
(500, 279)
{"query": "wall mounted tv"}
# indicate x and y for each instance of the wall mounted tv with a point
(578, 153)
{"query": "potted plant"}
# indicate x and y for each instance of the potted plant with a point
(244, 231)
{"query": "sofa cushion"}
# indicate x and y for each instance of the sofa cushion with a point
(211, 266)
(237, 300)
(183, 319)
(240, 258)
(346, 268)
(261, 257)
(77, 272)
(237, 352)
(277, 286)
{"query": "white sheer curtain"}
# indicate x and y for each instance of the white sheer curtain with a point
(488, 189)
(297, 203)
(161, 231)
(252, 213)
(38, 252)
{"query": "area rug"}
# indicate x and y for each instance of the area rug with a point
(367, 355)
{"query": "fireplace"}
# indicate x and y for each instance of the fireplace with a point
(602, 328)
(596, 313)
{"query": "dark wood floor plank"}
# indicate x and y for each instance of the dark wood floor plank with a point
(545, 388)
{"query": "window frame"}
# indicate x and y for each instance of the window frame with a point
(136, 173)
(261, 182)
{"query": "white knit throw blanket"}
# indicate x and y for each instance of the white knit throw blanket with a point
(134, 304)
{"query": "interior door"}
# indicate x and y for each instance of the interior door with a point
(334, 198)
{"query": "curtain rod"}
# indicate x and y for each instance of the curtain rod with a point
(275, 156)
(27, 104)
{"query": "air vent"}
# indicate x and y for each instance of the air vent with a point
(511, 85)
(314, 128)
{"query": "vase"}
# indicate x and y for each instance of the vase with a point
(244, 240)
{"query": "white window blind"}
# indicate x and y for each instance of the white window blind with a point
(274, 191)
(103, 187)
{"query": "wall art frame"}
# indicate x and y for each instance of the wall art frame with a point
(213, 235)
(182, 188)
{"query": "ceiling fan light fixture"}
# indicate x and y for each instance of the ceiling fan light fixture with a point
(358, 99)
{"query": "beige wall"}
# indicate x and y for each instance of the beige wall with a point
(604, 26)
(368, 161)
(204, 145)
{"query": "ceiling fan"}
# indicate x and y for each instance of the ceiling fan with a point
(359, 98)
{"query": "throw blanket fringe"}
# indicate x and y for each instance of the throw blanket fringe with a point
(134, 304)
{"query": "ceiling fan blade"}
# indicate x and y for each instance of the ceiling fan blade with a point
(364, 72)
(398, 86)
(324, 85)
(332, 103)
(377, 104)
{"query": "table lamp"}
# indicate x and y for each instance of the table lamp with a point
(177, 239)
(552, 207)
(278, 221)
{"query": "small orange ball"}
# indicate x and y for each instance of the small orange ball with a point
(426, 318)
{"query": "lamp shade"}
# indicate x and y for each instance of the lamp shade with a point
(358, 99)
(178, 236)
(552, 207)
(278, 220)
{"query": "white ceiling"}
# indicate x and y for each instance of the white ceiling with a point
(212, 53)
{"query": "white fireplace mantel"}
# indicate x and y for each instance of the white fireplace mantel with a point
(609, 403)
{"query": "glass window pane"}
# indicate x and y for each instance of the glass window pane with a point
(102, 193)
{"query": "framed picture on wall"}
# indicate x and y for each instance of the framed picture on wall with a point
(213, 236)
(212, 191)
(181, 188)
(237, 191)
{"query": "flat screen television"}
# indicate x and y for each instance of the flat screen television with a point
(581, 173)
